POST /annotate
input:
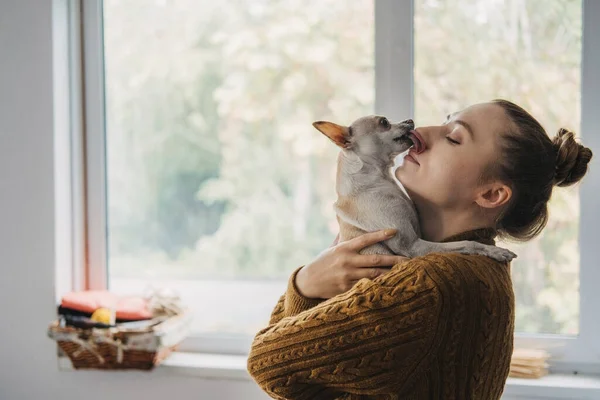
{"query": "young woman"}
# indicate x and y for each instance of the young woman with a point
(434, 327)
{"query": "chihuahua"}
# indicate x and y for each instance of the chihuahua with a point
(369, 199)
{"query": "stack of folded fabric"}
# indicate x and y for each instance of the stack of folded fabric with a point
(529, 363)
(102, 309)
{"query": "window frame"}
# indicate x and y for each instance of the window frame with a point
(394, 57)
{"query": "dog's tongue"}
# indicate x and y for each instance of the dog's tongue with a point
(416, 142)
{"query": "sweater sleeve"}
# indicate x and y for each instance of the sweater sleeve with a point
(292, 302)
(372, 339)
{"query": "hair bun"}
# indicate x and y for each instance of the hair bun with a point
(572, 158)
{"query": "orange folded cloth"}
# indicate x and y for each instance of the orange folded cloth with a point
(127, 307)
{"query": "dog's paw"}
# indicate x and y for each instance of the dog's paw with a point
(499, 254)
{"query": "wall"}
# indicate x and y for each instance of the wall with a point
(28, 367)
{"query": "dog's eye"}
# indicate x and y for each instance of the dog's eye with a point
(384, 123)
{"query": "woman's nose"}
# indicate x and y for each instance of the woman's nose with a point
(429, 134)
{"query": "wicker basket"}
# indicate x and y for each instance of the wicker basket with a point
(118, 348)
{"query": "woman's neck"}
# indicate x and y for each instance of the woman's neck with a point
(438, 224)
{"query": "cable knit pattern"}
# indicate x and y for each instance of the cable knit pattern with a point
(434, 327)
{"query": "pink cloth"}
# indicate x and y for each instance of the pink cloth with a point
(128, 307)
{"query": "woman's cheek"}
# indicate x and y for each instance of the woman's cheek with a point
(438, 184)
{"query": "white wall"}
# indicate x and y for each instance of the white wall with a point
(28, 367)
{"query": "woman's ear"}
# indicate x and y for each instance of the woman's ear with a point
(493, 195)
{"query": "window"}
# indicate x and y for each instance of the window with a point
(522, 51)
(217, 183)
(205, 176)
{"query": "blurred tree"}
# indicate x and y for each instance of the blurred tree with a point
(161, 123)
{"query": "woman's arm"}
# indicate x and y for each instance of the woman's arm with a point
(372, 339)
(292, 292)
(296, 301)
(333, 272)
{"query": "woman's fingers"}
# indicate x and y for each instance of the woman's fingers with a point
(336, 240)
(376, 260)
(369, 272)
(362, 241)
(367, 265)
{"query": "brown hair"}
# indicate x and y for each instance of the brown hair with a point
(532, 164)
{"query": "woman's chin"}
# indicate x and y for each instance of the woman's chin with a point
(401, 175)
(401, 171)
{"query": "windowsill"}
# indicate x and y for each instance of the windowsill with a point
(202, 365)
(227, 367)
(555, 386)
(214, 366)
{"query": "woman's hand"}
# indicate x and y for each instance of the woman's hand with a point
(339, 267)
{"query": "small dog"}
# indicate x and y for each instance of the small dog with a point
(368, 197)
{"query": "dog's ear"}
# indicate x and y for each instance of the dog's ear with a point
(337, 133)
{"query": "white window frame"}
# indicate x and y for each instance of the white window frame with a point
(394, 79)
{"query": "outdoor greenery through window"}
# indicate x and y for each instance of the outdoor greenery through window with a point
(218, 185)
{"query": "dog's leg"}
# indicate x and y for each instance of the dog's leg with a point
(422, 247)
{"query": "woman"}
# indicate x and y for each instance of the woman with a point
(434, 327)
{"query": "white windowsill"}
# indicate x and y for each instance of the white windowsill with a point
(202, 365)
(555, 386)
(222, 366)
(214, 366)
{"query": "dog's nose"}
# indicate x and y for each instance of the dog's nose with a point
(409, 122)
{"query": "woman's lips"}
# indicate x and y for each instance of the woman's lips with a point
(410, 157)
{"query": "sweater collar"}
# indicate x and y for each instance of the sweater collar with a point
(481, 235)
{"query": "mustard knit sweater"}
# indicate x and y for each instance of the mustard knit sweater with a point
(434, 327)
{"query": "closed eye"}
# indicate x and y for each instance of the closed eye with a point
(452, 141)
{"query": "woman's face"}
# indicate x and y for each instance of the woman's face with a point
(446, 174)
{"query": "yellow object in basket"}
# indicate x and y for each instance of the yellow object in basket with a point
(102, 315)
